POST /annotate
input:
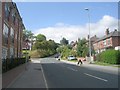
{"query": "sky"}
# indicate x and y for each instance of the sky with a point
(68, 19)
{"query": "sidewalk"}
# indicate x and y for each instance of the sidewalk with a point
(30, 78)
(11, 75)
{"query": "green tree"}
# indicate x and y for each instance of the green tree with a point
(64, 41)
(82, 48)
(40, 38)
(52, 45)
(27, 35)
(44, 47)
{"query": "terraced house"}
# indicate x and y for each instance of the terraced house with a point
(111, 40)
(12, 27)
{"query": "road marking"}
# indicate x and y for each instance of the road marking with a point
(35, 61)
(71, 69)
(44, 77)
(96, 77)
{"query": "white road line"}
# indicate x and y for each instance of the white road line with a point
(71, 69)
(44, 78)
(96, 77)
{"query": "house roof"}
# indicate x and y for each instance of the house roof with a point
(112, 34)
(94, 38)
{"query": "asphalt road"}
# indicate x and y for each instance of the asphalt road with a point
(62, 75)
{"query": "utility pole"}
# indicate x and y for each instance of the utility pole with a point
(89, 34)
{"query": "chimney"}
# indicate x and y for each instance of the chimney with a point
(107, 31)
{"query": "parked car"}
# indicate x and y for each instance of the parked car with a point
(57, 56)
(72, 57)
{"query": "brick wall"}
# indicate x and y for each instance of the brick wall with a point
(115, 41)
(0, 45)
(17, 28)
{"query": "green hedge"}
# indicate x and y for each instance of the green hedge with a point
(109, 56)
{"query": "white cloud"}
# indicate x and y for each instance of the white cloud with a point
(73, 32)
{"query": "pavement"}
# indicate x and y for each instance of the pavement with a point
(11, 75)
(32, 77)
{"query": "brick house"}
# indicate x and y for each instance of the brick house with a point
(12, 27)
(110, 41)
(0, 40)
(74, 45)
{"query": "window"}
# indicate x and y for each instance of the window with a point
(108, 41)
(4, 53)
(7, 11)
(12, 36)
(104, 43)
(5, 34)
(11, 52)
(13, 16)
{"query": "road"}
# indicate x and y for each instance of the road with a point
(62, 75)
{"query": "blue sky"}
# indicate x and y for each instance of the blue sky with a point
(43, 15)
(37, 14)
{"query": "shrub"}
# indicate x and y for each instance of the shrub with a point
(10, 63)
(109, 56)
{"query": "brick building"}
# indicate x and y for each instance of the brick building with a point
(12, 27)
(0, 43)
(110, 41)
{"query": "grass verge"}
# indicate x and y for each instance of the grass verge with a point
(106, 64)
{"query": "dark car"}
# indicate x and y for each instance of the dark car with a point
(57, 56)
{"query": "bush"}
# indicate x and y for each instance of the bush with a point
(10, 63)
(109, 56)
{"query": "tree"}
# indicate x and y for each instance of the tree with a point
(45, 47)
(82, 48)
(40, 38)
(64, 41)
(52, 45)
(28, 35)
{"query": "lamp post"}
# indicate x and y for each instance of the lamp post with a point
(87, 9)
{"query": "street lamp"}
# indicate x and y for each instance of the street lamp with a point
(87, 9)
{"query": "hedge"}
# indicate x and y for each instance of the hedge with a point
(9, 63)
(109, 56)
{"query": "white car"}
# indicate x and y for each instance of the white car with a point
(72, 58)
